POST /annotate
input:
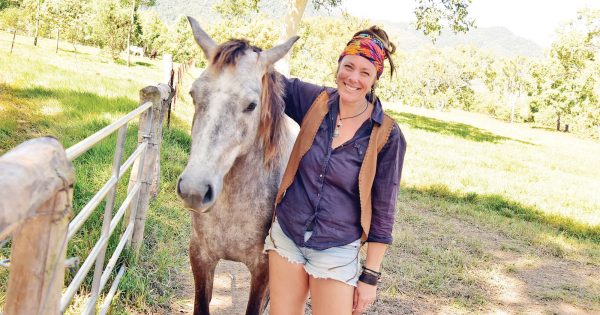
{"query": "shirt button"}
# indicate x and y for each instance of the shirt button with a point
(321, 175)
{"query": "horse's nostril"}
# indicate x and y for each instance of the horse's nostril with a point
(209, 195)
(179, 187)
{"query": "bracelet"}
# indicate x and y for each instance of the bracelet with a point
(378, 273)
(368, 278)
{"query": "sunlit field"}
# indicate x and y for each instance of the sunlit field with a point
(70, 96)
(492, 216)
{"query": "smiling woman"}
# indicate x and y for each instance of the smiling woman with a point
(339, 188)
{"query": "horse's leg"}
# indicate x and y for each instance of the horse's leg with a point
(258, 286)
(203, 268)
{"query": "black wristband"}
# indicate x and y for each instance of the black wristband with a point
(371, 271)
(368, 278)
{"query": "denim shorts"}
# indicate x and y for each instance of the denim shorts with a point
(338, 263)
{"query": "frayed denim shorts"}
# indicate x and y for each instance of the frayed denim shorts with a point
(338, 263)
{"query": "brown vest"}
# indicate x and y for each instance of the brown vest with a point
(310, 124)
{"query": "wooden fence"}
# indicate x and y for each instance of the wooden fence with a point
(36, 191)
(175, 81)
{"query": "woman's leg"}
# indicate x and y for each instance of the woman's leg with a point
(330, 297)
(288, 286)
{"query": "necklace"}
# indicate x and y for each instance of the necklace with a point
(338, 126)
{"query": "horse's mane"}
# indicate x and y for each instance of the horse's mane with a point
(270, 129)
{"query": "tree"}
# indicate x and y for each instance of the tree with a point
(513, 81)
(132, 22)
(566, 82)
(430, 14)
(154, 33)
(69, 17)
(433, 15)
(9, 3)
(111, 26)
(12, 19)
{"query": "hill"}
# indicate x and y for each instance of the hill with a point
(495, 39)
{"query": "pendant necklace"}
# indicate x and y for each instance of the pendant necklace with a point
(338, 126)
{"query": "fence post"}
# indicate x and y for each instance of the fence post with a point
(36, 191)
(150, 130)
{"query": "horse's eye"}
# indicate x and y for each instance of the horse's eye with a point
(250, 107)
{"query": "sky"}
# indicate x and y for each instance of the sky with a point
(536, 20)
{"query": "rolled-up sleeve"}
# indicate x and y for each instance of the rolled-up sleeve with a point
(298, 97)
(385, 187)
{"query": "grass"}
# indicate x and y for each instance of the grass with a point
(70, 96)
(492, 217)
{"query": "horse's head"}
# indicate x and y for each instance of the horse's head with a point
(234, 112)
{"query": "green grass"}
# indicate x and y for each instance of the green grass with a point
(491, 216)
(71, 96)
(561, 179)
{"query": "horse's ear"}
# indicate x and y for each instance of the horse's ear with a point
(204, 41)
(270, 56)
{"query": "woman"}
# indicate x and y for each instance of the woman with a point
(339, 188)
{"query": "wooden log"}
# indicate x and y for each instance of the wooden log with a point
(29, 176)
(36, 190)
(150, 130)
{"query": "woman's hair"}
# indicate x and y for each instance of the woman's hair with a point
(388, 46)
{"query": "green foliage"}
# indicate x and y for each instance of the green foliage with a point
(112, 26)
(231, 9)
(12, 19)
(431, 15)
(71, 17)
(9, 3)
(566, 84)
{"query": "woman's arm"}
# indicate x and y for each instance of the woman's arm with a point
(385, 191)
(385, 187)
(365, 294)
(375, 253)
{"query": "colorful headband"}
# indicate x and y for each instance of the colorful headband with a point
(369, 47)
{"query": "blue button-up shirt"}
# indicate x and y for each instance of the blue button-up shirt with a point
(324, 195)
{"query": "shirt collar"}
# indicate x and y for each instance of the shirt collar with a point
(376, 115)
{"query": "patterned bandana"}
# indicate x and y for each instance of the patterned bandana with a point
(369, 47)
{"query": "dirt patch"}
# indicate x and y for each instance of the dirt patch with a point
(230, 291)
(517, 277)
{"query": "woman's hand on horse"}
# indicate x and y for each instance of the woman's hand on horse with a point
(364, 296)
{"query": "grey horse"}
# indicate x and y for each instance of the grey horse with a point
(241, 141)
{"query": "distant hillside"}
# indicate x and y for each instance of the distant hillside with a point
(171, 10)
(496, 39)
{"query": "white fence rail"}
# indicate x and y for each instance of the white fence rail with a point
(36, 191)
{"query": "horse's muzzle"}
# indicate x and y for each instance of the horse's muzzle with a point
(195, 196)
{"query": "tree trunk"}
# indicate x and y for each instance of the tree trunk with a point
(558, 123)
(290, 28)
(37, 24)
(129, 34)
(13, 41)
(513, 104)
(57, 37)
(566, 127)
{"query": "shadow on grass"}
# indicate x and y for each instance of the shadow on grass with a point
(511, 209)
(143, 64)
(449, 128)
